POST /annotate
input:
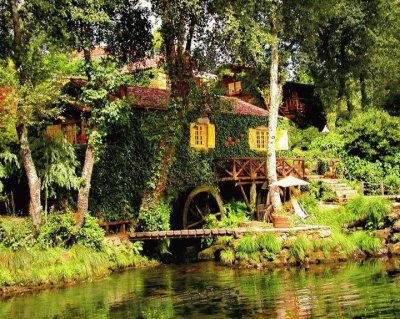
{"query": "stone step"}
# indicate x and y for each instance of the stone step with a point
(346, 192)
(339, 185)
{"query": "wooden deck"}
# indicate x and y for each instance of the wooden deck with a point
(255, 169)
(200, 233)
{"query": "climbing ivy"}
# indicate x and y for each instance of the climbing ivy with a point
(124, 166)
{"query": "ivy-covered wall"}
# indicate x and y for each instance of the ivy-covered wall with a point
(123, 166)
(232, 134)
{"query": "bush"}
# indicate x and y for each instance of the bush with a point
(16, 233)
(58, 231)
(247, 245)
(5, 277)
(156, 218)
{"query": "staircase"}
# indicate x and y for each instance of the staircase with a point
(343, 191)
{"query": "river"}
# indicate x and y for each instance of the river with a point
(206, 290)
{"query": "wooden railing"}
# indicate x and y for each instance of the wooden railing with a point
(379, 189)
(251, 169)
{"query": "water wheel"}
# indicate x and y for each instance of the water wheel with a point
(200, 203)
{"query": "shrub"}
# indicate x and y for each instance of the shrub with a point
(16, 233)
(157, 218)
(58, 231)
(326, 245)
(5, 277)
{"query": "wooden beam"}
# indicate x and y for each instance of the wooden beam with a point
(245, 198)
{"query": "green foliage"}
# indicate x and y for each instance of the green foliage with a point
(5, 277)
(326, 245)
(227, 257)
(16, 233)
(232, 134)
(373, 209)
(56, 164)
(247, 245)
(156, 218)
(366, 242)
(54, 266)
(298, 247)
(374, 136)
(269, 245)
(59, 231)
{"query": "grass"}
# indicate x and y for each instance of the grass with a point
(270, 243)
(298, 247)
(366, 242)
(227, 257)
(247, 245)
(55, 266)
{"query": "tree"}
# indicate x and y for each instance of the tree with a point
(32, 96)
(355, 43)
(269, 35)
(122, 26)
(25, 106)
(183, 23)
(56, 166)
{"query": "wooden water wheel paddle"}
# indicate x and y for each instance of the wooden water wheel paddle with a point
(201, 202)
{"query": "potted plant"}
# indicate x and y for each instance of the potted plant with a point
(281, 218)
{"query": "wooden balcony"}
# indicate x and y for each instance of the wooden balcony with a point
(255, 169)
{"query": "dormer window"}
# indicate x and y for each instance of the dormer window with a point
(234, 88)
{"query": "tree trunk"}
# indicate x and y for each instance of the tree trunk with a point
(83, 194)
(363, 89)
(275, 95)
(18, 55)
(32, 177)
(88, 63)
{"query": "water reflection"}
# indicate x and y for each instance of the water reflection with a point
(206, 290)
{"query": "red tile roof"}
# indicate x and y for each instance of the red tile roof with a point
(145, 64)
(149, 97)
(96, 53)
(244, 108)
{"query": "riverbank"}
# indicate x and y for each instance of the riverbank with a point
(362, 228)
(29, 270)
(61, 255)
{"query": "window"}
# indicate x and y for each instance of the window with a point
(202, 136)
(258, 139)
(261, 139)
(234, 88)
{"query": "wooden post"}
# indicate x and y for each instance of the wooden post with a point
(245, 198)
(382, 189)
(253, 195)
